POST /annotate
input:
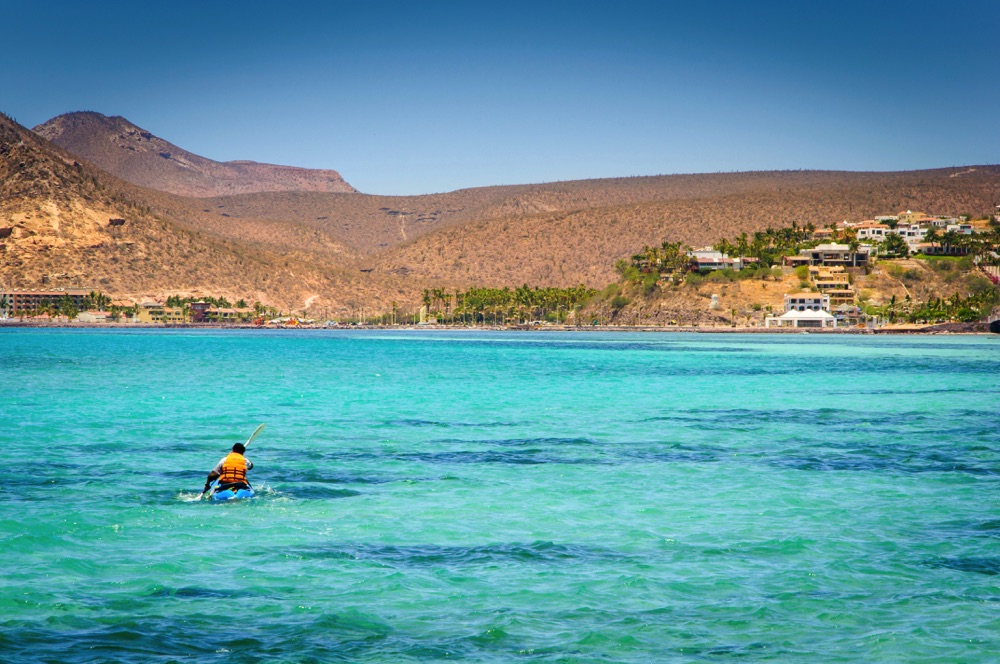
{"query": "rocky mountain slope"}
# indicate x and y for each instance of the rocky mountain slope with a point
(135, 155)
(65, 223)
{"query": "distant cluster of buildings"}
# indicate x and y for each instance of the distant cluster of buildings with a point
(834, 305)
(913, 227)
(39, 305)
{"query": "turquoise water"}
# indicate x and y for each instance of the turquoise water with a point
(498, 497)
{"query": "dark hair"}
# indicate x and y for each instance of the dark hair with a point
(239, 449)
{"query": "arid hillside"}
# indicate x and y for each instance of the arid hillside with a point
(578, 243)
(135, 155)
(65, 223)
(610, 217)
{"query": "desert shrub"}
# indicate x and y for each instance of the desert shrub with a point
(978, 284)
(802, 272)
(649, 283)
(894, 270)
(618, 302)
(912, 274)
(720, 276)
(694, 279)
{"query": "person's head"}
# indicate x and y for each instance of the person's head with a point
(239, 449)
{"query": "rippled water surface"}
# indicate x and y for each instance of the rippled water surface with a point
(495, 497)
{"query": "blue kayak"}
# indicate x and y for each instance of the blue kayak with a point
(225, 492)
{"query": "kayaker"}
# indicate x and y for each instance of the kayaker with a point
(231, 471)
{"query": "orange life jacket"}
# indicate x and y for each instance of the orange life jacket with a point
(234, 468)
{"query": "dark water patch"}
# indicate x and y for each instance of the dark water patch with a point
(885, 457)
(347, 636)
(987, 566)
(448, 425)
(524, 457)
(314, 492)
(839, 425)
(424, 555)
(886, 392)
(195, 592)
(819, 368)
(527, 457)
(313, 476)
(991, 527)
(520, 442)
(675, 453)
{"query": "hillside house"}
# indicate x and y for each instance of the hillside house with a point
(938, 249)
(831, 254)
(912, 234)
(910, 217)
(709, 259)
(835, 282)
(871, 230)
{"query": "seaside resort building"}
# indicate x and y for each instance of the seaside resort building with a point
(154, 312)
(14, 302)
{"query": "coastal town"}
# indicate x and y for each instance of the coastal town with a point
(826, 261)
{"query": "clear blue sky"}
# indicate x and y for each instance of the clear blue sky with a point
(420, 97)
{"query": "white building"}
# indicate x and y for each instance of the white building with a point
(804, 310)
(875, 232)
(802, 319)
(807, 302)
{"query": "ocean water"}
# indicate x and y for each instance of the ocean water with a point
(500, 497)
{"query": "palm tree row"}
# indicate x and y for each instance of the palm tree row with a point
(482, 305)
(940, 309)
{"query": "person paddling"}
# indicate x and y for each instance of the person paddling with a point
(231, 471)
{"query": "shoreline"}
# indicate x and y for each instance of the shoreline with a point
(908, 329)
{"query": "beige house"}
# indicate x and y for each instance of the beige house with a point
(834, 282)
(93, 316)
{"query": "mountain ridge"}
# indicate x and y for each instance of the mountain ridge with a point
(136, 155)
